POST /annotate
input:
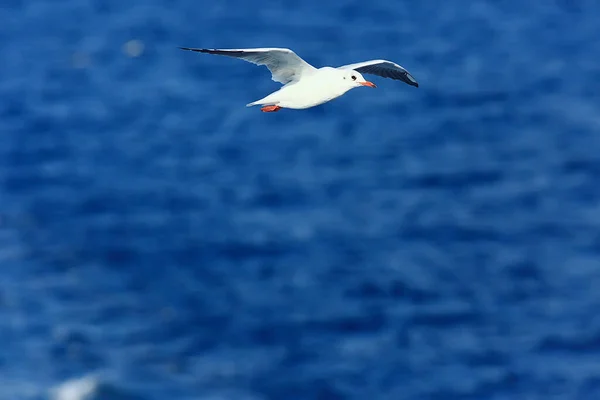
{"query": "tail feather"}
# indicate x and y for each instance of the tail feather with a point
(270, 100)
(262, 103)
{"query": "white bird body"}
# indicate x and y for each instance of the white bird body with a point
(309, 91)
(304, 85)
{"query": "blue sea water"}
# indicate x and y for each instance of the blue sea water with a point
(159, 240)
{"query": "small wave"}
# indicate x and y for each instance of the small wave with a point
(90, 388)
(76, 389)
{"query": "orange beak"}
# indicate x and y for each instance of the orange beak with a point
(369, 84)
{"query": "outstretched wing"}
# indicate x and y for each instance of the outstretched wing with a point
(383, 68)
(284, 64)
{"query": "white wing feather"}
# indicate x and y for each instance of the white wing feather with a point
(284, 64)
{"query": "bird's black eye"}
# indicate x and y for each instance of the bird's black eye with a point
(353, 77)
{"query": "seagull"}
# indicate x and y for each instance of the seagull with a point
(305, 86)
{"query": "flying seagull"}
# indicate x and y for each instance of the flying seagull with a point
(305, 86)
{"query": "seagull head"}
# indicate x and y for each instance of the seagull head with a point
(355, 79)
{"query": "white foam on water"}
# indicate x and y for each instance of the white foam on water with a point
(75, 389)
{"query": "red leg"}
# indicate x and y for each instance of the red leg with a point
(270, 108)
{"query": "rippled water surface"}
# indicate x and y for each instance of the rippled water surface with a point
(159, 240)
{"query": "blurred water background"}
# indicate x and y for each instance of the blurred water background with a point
(159, 240)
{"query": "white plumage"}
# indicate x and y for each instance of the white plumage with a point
(304, 85)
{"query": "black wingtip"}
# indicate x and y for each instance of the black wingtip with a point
(410, 80)
(194, 49)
